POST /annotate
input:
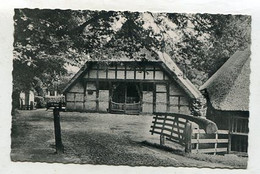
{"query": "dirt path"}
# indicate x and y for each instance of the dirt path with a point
(93, 139)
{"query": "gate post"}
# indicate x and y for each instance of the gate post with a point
(188, 132)
(162, 140)
(57, 131)
(230, 129)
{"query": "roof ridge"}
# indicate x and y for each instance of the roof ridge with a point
(233, 59)
(225, 90)
(238, 72)
(166, 59)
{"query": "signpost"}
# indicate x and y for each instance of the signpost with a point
(57, 131)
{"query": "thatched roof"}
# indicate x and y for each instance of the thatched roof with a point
(228, 88)
(163, 59)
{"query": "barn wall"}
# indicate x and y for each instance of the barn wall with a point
(166, 95)
(123, 71)
(75, 98)
(103, 100)
(147, 102)
(225, 120)
(221, 117)
(178, 99)
(91, 97)
(78, 101)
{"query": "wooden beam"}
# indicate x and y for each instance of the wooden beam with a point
(116, 71)
(125, 96)
(74, 102)
(125, 80)
(134, 72)
(97, 71)
(107, 72)
(141, 96)
(97, 96)
(188, 132)
(125, 75)
(153, 73)
(208, 125)
(110, 96)
(85, 90)
(179, 104)
(168, 97)
(144, 72)
(154, 97)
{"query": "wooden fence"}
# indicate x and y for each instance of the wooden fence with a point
(174, 129)
(128, 108)
(180, 129)
(209, 143)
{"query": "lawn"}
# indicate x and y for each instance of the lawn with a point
(101, 139)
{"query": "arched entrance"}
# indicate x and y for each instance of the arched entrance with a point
(125, 98)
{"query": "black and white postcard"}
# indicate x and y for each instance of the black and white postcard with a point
(140, 88)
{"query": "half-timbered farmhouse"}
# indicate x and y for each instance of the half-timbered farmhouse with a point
(227, 92)
(131, 87)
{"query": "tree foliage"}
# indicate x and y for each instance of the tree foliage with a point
(45, 41)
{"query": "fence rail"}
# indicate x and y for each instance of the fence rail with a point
(209, 143)
(173, 129)
(125, 107)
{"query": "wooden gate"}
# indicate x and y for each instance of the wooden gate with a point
(184, 130)
(127, 108)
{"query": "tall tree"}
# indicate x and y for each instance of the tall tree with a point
(45, 41)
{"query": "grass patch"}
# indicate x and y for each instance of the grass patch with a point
(232, 160)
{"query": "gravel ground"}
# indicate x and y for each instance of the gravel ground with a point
(92, 138)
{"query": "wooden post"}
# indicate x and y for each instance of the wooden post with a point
(141, 97)
(31, 105)
(110, 96)
(162, 140)
(85, 90)
(21, 106)
(154, 124)
(115, 71)
(97, 95)
(198, 141)
(97, 89)
(216, 143)
(168, 96)
(188, 132)
(229, 134)
(60, 105)
(154, 97)
(57, 131)
(125, 97)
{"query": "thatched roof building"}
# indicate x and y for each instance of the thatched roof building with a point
(228, 88)
(227, 92)
(145, 85)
